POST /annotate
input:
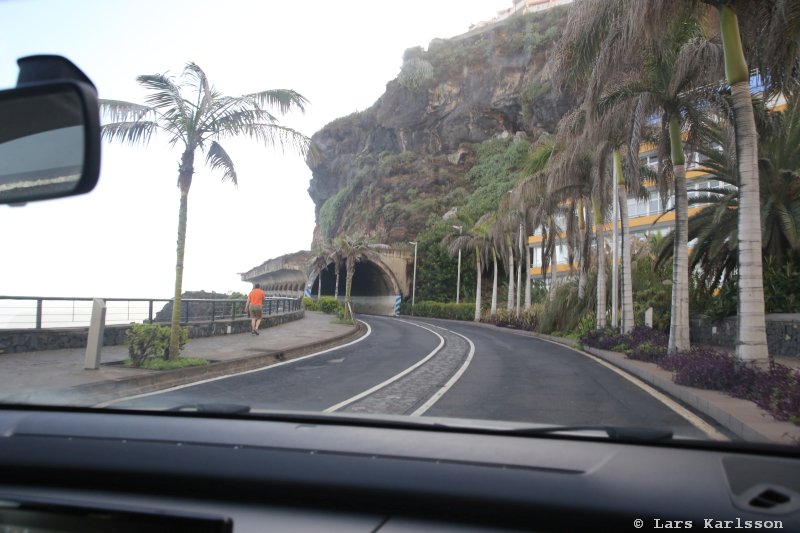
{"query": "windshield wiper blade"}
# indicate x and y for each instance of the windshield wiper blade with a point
(613, 432)
(216, 408)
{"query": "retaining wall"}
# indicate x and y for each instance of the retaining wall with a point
(32, 340)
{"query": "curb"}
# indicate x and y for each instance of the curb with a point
(92, 394)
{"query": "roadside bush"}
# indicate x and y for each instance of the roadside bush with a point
(329, 305)
(451, 311)
(527, 320)
(778, 391)
(705, 368)
(310, 304)
(146, 340)
(602, 339)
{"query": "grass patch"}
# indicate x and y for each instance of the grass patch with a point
(343, 322)
(162, 364)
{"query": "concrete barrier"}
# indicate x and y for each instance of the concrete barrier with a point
(34, 340)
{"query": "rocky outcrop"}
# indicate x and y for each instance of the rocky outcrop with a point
(420, 134)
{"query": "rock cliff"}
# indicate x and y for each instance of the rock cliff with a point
(386, 170)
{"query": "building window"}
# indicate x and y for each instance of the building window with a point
(655, 204)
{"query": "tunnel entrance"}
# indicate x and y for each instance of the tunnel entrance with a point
(373, 289)
(368, 280)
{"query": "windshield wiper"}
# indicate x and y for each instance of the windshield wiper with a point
(643, 434)
(614, 433)
(215, 408)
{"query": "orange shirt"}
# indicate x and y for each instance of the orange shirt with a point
(256, 297)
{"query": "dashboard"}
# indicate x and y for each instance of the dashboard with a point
(134, 471)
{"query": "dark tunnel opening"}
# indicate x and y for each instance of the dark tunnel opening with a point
(368, 280)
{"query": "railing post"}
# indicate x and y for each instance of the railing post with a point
(38, 313)
(150, 311)
(213, 309)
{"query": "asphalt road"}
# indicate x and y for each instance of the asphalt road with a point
(508, 377)
(314, 383)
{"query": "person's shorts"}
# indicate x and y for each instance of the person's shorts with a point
(256, 311)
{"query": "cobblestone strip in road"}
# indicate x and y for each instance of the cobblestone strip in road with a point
(403, 396)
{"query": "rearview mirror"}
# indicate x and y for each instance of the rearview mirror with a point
(49, 141)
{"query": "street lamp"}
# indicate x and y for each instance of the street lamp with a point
(414, 283)
(458, 279)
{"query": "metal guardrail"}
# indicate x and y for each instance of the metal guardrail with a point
(23, 312)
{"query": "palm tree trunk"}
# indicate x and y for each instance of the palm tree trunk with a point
(554, 271)
(679, 318)
(614, 255)
(553, 246)
(336, 289)
(184, 181)
(627, 282)
(509, 299)
(601, 266)
(527, 278)
(348, 284)
(510, 278)
(751, 344)
(581, 251)
(478, 287)
(519, 270)
(494, 284)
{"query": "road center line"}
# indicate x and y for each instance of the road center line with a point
(394, 378)
(437, 396)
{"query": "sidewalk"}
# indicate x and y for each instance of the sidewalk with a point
(58, 376)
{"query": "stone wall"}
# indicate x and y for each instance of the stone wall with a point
(32, 340)
(783, 333)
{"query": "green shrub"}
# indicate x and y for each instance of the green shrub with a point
(173, 364)
(146, 340)
(452, 311)
(329, 305)
(310, 304)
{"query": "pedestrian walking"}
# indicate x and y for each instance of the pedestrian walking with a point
(255, 303)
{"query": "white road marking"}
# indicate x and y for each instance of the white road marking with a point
(392, 379)
(692, 418)
(179, 387)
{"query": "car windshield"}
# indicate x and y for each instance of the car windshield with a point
(520, 214)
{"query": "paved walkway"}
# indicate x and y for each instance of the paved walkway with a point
(55, 370)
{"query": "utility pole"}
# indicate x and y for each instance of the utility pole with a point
(458, 279)
(414, 283)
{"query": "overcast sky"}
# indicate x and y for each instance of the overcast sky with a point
(119, 240)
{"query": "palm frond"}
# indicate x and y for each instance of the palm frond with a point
(285, 100)
(218, 158)
(133, 133)
(121, 111)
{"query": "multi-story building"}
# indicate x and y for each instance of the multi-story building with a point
(645, 216)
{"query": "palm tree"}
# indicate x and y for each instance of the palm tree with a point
(194, 115)
(715, 227)
(319, 262)
(353, 249)
(476, 239)
(772, 27)
(673, 68)
(335, 256)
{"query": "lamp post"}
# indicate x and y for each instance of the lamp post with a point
(414, 283)
(458, 279)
